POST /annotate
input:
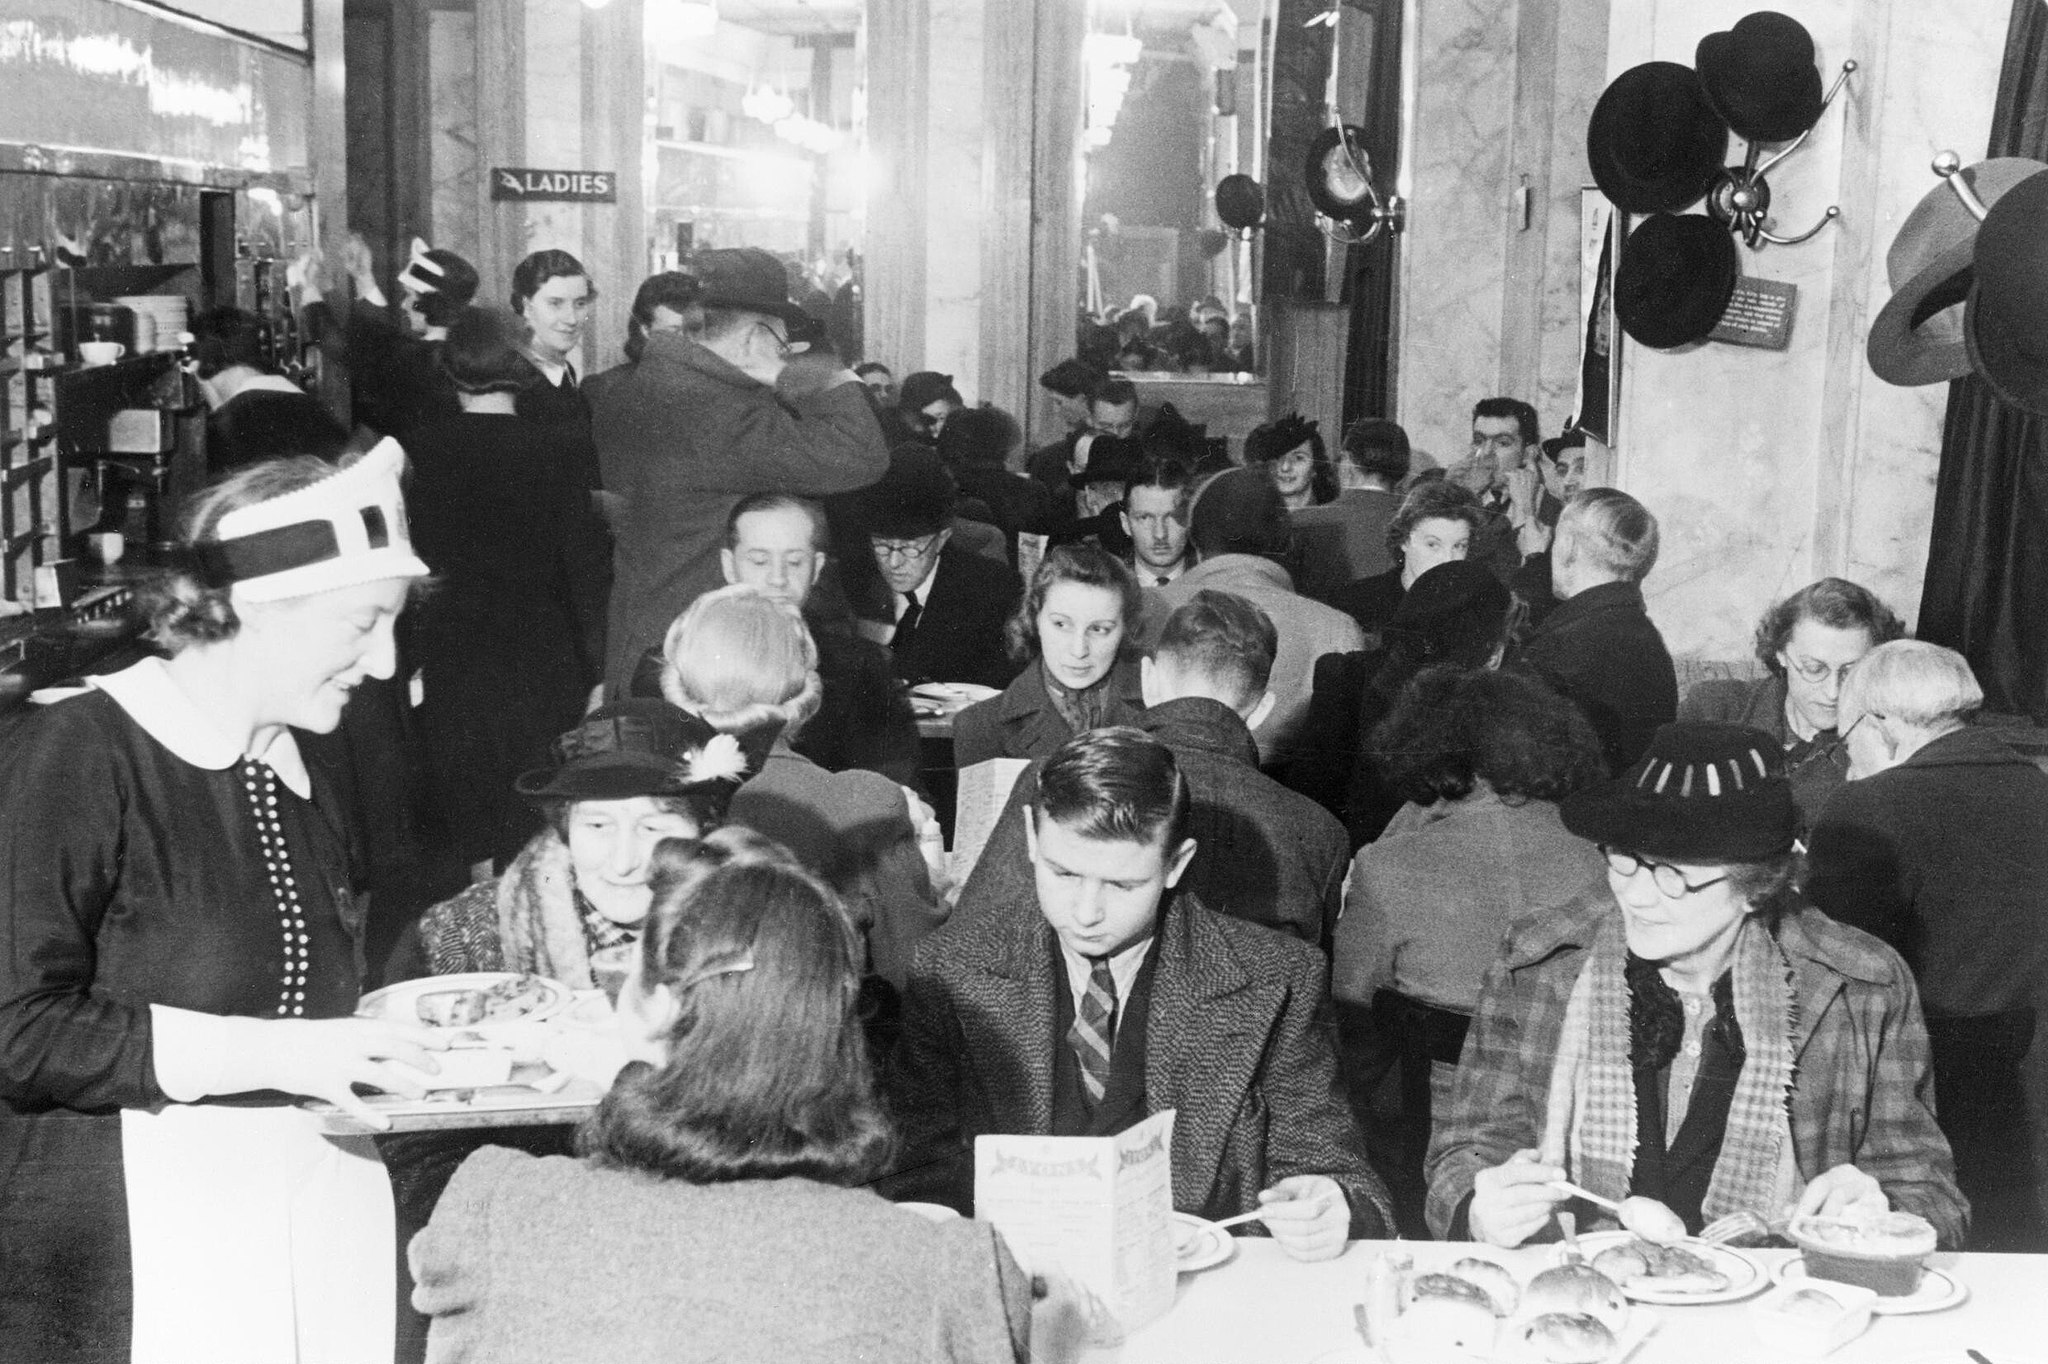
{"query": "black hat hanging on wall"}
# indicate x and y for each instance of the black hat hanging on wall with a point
(1760, 77)
(1654, 142)
(1657, 143)
(2002, 320)
(1240, 202)
(1676, 276)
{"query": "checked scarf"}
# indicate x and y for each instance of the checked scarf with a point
(1590, 1120)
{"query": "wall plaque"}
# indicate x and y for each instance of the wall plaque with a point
(1759, 314)
(561, 186)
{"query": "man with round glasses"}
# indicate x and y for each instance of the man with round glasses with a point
(1694, 1032)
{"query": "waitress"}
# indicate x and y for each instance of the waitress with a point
(178, 957)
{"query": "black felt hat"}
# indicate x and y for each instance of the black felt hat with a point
(913, 499)
(1917, 337)
(1676, 277)
(1760, 78)
(641, 747)
(1654, 142)
(748, 279)
(2003, 320)
(1450, 592)
(1705, 792)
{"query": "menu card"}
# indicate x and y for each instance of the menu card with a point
(1099, 1209)
(984, 789)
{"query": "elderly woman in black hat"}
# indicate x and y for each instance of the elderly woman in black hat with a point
(1694, 1032)
(627, 777)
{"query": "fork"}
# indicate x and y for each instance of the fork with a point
(1722, 1230)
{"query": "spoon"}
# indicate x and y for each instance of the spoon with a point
(1645, 1217)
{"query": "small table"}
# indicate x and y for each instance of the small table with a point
(1263, 1308)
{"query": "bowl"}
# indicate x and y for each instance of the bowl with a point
(1885, 1252)
(1795, 1321)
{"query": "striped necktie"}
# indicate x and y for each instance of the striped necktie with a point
(1094, 1030)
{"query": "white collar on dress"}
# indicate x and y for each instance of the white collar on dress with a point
(168, 716)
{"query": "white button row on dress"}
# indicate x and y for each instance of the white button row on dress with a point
(277, 862)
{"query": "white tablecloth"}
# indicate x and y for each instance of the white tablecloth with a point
(1263, 1308)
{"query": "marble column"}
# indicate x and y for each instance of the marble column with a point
(1460, 201)
(1769, 469)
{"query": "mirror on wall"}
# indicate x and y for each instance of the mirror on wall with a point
(758, 141)
(1176, 99)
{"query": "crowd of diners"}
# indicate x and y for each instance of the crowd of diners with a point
(1362, 824)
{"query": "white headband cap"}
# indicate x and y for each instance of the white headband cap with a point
(347, 529)
(420, 274)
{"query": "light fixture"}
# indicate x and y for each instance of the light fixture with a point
(1108, 58)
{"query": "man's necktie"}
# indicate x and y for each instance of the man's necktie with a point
(906, 625)
(1094, 1030)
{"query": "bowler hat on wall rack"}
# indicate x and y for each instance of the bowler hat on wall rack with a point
(1660, 131)
(1240, 203)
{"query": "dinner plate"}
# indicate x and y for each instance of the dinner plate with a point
(399, 1003)
(1746, 1276)
(947, 698)
(1199, 1243)
(1937, 1290)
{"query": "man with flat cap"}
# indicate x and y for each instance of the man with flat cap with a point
(709, 415)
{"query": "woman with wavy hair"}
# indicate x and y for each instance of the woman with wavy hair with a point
(1076, 631)
(716, 1211)
(744, 662)
(1483, 757)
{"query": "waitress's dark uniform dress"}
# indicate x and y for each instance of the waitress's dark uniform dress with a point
(145, 861)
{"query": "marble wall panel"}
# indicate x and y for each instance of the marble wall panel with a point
(452, 154)
(953, 235)
(1460, 202)
(1769, 469)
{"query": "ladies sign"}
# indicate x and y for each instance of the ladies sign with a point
(562, 186)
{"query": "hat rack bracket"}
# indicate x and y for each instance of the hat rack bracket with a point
(1741, 197)
(1385, 214)
(1947, 165)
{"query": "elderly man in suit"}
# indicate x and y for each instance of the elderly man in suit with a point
(1599, 648)
(944, 606)
(1264, 853)
(1110, 996)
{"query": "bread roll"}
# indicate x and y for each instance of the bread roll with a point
(1494, 1278)
(1576, 1288)
(1568, 1338)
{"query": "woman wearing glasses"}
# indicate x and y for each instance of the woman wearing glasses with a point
(1694, 1032)
(1807, 642)
(715, 1213)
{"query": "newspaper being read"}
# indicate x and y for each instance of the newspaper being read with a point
(984, 790)
(1099, 1209)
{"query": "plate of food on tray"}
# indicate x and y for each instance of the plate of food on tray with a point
(948, 698)
(480, 1002)
(1683, 1273)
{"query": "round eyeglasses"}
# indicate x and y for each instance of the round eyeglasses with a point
(1669, 880)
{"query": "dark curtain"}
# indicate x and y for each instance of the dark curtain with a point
(1986, 593)
(1369, 283)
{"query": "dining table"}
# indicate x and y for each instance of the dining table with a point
(1261, 1307)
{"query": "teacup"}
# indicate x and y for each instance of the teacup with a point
(96, 353)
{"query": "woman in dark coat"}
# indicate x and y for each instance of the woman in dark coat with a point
(510, 642)
(1076, 627)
